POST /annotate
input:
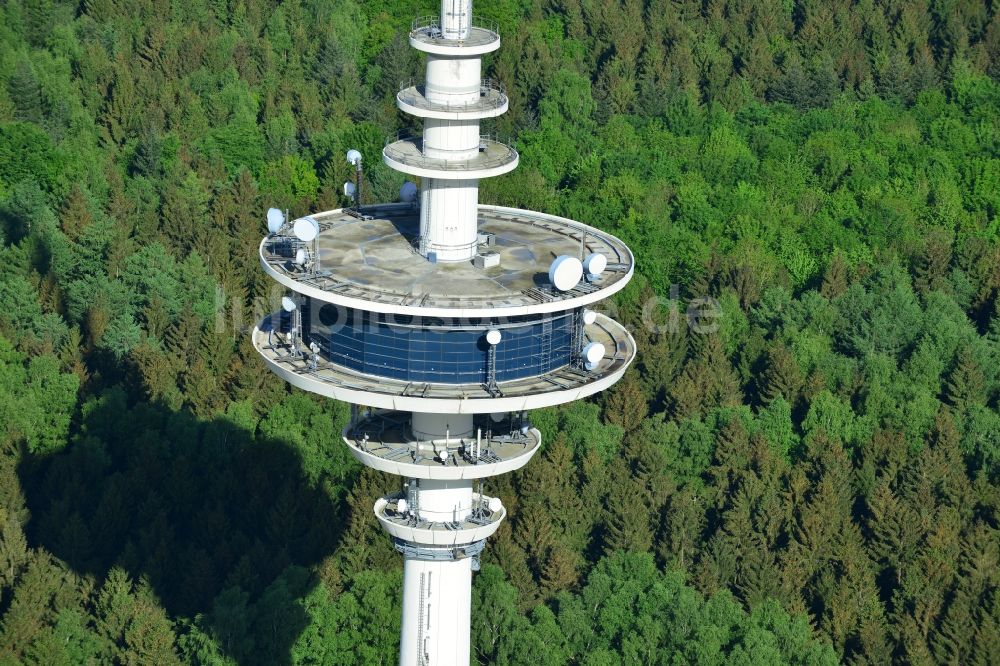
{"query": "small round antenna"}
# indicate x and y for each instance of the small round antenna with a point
(350, 189)
(595, 264)
(353, 157)
(565, 272)
(275, 220)
(306, 229)
(301, 256)
(287, 304)
(493, 337)
(593, 353)
(408, 192)
(589, 317)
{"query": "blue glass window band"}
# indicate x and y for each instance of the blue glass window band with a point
(435, 350)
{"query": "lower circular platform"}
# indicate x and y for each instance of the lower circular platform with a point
(406, 155)
(552, 388)
(479, 525)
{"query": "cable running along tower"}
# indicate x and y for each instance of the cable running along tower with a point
(443, 322)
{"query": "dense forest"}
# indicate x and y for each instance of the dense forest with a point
(815, 479)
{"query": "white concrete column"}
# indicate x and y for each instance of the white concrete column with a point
(452, 80)
(456, 18)
(441, 501)
(438, 427)
(437, 612)
(449, 219)
(455, 140)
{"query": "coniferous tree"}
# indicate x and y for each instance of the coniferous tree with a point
(966, 385)
(835, 277)
(931, 264)
(626, 406)
(782, 375)
(26, 93)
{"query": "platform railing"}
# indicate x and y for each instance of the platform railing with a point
(492, 95)
(431, 25)
(494, 151)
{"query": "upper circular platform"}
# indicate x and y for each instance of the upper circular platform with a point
(406, 155)
(492, 102)
(426, 36)
(371, 264)
(559, 386)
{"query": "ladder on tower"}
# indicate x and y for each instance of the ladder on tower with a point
(421, 648)
(413, 502)
(545, 351)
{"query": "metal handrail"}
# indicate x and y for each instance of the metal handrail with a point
(432, 24)
(492, 95)
(485, 142)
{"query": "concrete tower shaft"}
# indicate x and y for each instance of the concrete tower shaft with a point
(447, 361)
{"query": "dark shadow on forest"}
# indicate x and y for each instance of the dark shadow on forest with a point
(195, 507)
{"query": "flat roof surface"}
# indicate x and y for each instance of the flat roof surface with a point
(375, 260)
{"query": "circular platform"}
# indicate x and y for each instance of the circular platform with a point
(552, 388)
(372, 264)
(422, 532)
(406, 155)
(492, 102)
(384, 442)
(426, 36)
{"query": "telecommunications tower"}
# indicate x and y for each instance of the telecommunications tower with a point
(443, 322)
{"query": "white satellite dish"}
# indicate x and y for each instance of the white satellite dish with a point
(353, 157)
(408, 192)
(593, 353)
(401, 506)
(595, 264)
(494, 504)
(306, 229)
(493, 337)
(350, 189)
(275, 220)
(589, 317)
(565, 272)
(301, 257)
(287, 304)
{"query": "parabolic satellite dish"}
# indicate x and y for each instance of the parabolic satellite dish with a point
(593, 353)
(275, 220)
(595, 264)
(350, 189)
(493, 337)
(565, 272)
(287, 304)
(589, 317)
(353, 157)
(301, 256)
(306, 229)
(408, 192)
